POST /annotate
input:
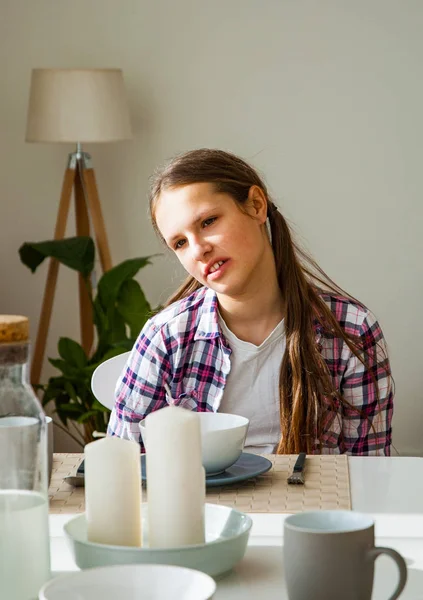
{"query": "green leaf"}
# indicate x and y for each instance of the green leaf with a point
(50, 394)
(111, 282)
(117, 329)
(59, 364)
(68, 370)
(86, 395)
(132, 305)
(72, 353)
(76, 253)
(100, 320)
(70, 390)
(62, 399)
(63, 418)
(86, 416)
(72, 409)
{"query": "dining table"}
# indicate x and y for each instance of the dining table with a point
(389, 489)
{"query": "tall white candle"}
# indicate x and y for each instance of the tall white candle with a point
(175, 478)
(113, 492)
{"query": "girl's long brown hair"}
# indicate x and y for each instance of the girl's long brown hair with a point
(308, 397)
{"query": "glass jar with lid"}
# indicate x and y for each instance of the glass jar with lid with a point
(24, 534)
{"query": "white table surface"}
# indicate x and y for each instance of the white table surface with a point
(389, 489)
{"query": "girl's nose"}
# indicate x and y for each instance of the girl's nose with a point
(200, 247)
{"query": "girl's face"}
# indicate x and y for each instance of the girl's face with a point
(216, 243)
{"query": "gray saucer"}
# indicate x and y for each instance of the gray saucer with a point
(246, 467)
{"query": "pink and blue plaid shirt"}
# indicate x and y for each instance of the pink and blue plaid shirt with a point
(183, 347)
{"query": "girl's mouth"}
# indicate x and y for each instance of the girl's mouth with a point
(217, 269)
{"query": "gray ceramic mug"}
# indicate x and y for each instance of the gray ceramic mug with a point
(330, 555)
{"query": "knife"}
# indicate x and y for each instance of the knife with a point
(297, 476)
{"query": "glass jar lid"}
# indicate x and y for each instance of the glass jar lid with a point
(14, 336)
(13, 328)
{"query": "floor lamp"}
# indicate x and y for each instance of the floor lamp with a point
(77, 106)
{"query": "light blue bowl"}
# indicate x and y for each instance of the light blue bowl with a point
(227, 532)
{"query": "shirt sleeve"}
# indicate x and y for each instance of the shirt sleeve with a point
(140, 390)
(366, 421)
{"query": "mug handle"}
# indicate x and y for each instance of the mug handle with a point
(373, 553)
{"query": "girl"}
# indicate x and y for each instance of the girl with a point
(257, 329)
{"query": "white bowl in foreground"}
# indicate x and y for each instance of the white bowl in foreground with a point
(226, 532)
(131, 582)
(222, 439)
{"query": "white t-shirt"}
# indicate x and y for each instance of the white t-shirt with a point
(252, 387)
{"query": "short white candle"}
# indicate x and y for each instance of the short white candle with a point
(176, 484)
(113, 492)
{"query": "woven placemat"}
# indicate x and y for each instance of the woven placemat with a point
(65, 498)
(327, 487)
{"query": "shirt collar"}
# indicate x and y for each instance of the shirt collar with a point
(208, 326)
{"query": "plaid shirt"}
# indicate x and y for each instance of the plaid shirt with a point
(183, 347)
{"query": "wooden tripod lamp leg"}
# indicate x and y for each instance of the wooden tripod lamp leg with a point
(97, 218)
(50, 287)
(83, 229)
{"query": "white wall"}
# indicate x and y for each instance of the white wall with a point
(325, 98)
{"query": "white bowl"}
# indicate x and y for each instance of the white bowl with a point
(131, 582)
(222, 439)
(226, 532)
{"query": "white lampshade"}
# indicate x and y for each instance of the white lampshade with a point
(77, 105)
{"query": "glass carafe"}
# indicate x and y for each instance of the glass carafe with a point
(24, 534)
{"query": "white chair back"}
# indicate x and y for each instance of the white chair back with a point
(104, 379)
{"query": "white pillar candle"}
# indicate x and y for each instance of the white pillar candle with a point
(113, 492)
(176, 482)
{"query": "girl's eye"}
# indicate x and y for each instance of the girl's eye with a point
(179, 244)
(209, 221)
(206, 223)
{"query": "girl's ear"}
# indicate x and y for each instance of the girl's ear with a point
(257, 203)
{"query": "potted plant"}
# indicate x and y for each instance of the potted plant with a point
(120, 309)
